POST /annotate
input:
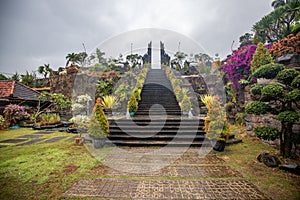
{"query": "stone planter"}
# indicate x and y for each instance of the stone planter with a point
(98, 142)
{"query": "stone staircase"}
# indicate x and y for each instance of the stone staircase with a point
(158, 120)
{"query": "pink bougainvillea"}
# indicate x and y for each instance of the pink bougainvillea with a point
(237, 65)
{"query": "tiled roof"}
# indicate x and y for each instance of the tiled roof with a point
(14, 89)
(6, 88)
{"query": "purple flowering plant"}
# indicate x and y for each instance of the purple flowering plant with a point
(237, 65)
(14, 112)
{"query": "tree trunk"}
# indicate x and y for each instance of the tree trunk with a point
(286, 145)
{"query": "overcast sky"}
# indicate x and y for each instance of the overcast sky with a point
(36, 32)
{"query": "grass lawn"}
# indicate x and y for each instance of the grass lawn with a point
(46, 170)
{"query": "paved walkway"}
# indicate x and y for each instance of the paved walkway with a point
(191, 176)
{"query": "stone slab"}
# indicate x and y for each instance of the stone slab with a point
(29, 136)
(43, 132)
(164, 189)
(13, 141)
(31, 142)
(55, 139)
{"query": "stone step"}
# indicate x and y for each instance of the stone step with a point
(156, 137)
(139, 143)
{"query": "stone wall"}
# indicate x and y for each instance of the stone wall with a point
(72, 85)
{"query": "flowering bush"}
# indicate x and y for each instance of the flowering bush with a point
(237, 66)
(81, 104)
(81, 121)
(14, 113)
(288, 45)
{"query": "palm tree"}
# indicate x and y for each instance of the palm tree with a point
(277, 3)
(71, 57)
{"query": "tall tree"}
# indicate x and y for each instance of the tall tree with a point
(45, 70)
(278, 23)
(134, 59)
(246, 39)
(71, 58)
(99, 55)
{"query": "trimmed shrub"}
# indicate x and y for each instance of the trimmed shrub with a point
(296, 82)
(272, 92)
(287, 76)
(289, 117)
(256, 90)
(132, 104)
(293, 95)
(98, 126)
(266, 133)
(185, 104)
(261, 57)
(257, 108)
(268, 71)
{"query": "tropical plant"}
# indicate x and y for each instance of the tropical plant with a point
(28, 79)
(104, 87)
(49, 118)
(207, 100)
(278, 24)
(3, 77)
(98, 126)
(108, 101)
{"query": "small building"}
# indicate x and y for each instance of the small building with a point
(13, 92)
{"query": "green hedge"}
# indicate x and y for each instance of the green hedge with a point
(266, 133)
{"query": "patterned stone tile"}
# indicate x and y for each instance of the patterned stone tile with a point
(165, 189)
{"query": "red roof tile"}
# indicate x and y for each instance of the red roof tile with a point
(14, 89)
(6, 88)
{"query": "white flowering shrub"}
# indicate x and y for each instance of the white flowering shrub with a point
(81, 121)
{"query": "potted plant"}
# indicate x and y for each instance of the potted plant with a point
(132, 105)
(215, 124)
(98, 127)
(107, 103)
